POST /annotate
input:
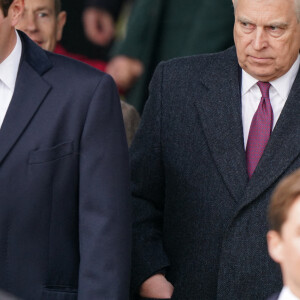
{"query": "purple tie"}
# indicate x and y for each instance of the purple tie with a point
(260, 130)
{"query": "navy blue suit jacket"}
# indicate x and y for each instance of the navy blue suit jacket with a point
(65, 214)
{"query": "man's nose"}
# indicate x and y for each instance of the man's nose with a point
(31, 24)
(260, 39)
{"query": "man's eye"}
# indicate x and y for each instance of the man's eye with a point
(247, 25)
(276, 31)
(42, 15)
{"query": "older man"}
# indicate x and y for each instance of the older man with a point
(219, 131)
(284, 234)
(65, 222)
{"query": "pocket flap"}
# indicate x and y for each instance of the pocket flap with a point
(50, 154)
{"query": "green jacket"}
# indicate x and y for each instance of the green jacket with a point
(163, 29)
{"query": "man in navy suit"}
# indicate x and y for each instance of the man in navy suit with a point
(64, 193)
(218, 132)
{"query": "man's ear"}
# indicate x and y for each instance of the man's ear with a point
(275, 245)
(15, 11)
(60, 23)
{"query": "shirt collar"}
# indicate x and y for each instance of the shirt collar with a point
(282, 84)
(286, 294)
(9, 67)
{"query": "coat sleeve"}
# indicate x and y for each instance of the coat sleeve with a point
(111, 6)
(104, 205)
(147, 166)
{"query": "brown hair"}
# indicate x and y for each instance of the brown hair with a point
(57, 6)
(284, 196)
(5, 4)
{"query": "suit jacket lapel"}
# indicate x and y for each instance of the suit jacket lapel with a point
(220, 113)
(30, 91)
(283, 146)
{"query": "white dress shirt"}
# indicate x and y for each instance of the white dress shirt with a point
(8, 74)
(251, 95)
(286, 294)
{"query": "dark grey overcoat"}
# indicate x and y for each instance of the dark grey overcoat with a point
(196, 213)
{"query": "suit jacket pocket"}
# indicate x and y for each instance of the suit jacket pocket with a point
(59, 293)
(50, 154)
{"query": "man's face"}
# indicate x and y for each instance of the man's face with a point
(41, 24)
(267, 37)
(7, 28)
(285, 248)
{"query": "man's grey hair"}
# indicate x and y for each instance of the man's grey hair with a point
(297, 7)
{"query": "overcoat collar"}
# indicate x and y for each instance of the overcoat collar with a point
(220, 114)
(30, 91)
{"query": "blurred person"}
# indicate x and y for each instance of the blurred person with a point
(217, 134)
(91, 28)
(160, 30)
(284, 235)
(43, 21)
(65, 218)
(99, 20)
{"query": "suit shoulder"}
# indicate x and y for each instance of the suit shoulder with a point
(183, 70)
(67, 64)
(68, 72)
(199, 61)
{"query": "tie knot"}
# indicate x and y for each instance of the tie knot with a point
(264, 88)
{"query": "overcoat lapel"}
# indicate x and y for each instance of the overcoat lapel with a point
(30, 91)
(282, 148)
(220, 114)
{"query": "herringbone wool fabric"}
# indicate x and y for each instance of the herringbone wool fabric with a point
(260, 129)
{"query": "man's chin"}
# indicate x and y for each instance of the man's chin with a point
(262, 73)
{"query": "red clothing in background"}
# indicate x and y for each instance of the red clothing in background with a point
(96, 63)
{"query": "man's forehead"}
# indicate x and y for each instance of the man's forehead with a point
(40, 4)
(266, 11)
(264, 2)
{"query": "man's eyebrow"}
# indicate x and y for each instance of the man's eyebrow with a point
(271, 24)
(244, 20)
(42, 8)
(278, 24)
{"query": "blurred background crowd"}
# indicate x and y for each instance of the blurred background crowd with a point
(133, 36)
(128, 38)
